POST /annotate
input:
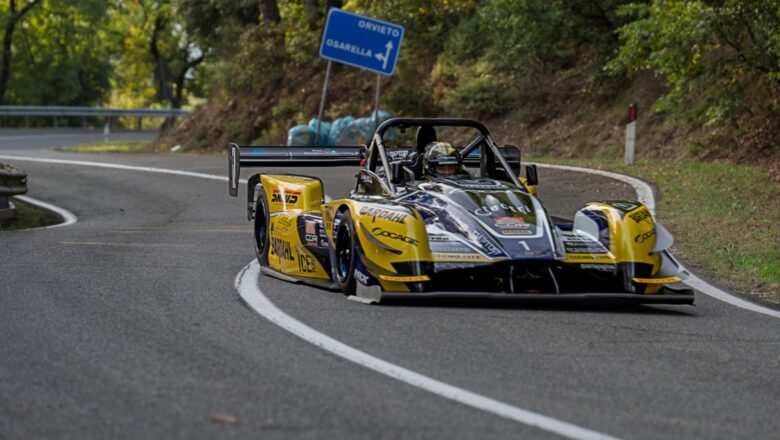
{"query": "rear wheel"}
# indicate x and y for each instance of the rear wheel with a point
(345, 254)
(261, 229)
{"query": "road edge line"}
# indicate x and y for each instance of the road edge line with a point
(645, 195)
(247, 287)
(68, 218)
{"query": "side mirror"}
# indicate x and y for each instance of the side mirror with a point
(531, 178)
(512, 155)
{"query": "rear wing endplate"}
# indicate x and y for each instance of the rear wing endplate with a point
(269, 156)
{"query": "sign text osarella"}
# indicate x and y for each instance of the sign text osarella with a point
(362, 42)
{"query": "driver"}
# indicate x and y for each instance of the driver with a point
(442, 159)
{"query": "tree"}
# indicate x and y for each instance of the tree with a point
(10, 26)
(158, 52)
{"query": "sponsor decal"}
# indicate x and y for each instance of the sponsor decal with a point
(456, 256)
(361, 277)
(451, 265)
(310, 232)
(512, 225)
(379, 232)
(281, 248)
(487, 245)
(384, 214)
(285, 196)
(514, 221)
(481, 185)
(516, 232)
(501, 207)
(595, 248)
(641, 238)
(454, 247)
(643, 215)
(586, 257)
(307, 263)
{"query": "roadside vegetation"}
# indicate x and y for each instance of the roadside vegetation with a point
(29, 216)
(106, 147)
(723, 217)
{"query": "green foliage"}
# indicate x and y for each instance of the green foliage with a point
(60, 54)
(712, 54)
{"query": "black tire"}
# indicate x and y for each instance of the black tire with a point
(345, 254)
(261, 235)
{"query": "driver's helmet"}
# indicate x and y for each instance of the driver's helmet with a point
(442, 159)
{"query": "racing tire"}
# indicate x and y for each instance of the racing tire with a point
(345, 254)
(261, 235)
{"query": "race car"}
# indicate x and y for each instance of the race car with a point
(431, 220)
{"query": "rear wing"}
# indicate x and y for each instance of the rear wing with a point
(269, 156)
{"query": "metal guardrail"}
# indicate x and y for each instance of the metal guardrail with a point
(13, 182)
(63, 111)
(54, 112)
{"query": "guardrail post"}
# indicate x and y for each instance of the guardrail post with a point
(26, 121)
(139, 124)
(55, 121)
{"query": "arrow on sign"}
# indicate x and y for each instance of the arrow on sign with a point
(384, 58)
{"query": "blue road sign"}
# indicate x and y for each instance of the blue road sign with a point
(362, 42)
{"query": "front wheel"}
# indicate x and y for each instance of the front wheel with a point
(345, 254)
(261, 229)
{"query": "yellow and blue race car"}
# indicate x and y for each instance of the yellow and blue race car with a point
(431, 220)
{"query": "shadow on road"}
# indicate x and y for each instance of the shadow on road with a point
(613, 306)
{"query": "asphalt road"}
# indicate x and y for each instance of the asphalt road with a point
(127, 325)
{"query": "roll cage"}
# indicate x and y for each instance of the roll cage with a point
(487, 160)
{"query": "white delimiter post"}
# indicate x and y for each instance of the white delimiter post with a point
(631, 133)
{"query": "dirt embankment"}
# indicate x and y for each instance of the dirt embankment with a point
(561, 122)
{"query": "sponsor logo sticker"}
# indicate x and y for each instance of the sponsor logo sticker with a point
(281, 248)
(379, 232)
(384, 214)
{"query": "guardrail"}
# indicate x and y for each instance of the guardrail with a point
(55, 112)
(13, 182)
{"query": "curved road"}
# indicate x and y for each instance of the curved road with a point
(127, 325)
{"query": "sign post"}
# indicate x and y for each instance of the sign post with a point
(633, 113)
(361, 42)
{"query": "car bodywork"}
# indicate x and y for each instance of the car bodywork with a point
(404, 235)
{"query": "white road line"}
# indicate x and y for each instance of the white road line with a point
(645, 195)
(246, 284)
(117, 167)
(68, 217)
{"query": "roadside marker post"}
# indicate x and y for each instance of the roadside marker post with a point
(362, 42)
(633, 113)
(106, 127)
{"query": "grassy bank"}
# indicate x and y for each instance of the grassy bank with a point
(29, 216)
(107, 147)
(724, 218)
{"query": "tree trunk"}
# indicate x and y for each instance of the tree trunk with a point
(162, 72)
(270, 11)
(334, 4)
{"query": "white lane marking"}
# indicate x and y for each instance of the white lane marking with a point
(118, 167)
(246, 284)
(645, 195)
(643, 190)
(68, 217)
